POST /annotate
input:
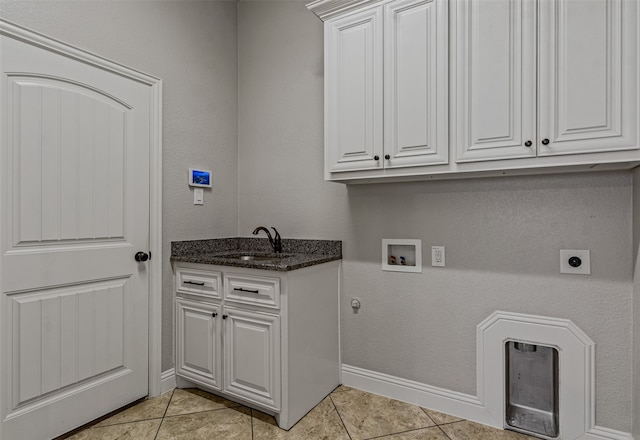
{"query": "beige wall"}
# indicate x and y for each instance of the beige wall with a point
(502, 235)
(192, 46)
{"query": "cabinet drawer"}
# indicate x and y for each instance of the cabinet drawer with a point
(198, 282)
(246, 289)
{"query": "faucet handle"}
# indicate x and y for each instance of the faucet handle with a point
(277, 241)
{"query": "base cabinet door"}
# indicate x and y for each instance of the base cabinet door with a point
(198, 342)
(252, 356)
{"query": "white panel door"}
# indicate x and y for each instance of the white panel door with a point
(353, 66)
(74, 179)
(494, 79)
(588, 76)
(252, 356)
(198, 342)
(416, 83)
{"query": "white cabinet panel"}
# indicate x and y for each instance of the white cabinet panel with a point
(587, 86)
(353, 68)
(252, 356)
(198, 342)
(494, 79)
(416, 79)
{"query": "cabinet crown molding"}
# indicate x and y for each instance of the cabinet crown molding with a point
(326, 9)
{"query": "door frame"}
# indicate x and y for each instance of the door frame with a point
(14, 31)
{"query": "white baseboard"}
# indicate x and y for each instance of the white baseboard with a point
(439, 399)
(167, 380)
(601, 433)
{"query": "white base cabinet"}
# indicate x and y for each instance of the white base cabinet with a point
(266, 339)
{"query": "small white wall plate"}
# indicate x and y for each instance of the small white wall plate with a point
(570, 257)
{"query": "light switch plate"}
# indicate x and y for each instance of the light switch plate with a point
(198, 196)
(585, 261)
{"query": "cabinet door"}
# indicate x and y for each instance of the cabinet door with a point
(198, 342)
(252, 356)
(588, 76)
(416, 83)
(353, 88)
(493, 76)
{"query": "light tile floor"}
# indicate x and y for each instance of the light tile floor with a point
(347, 413)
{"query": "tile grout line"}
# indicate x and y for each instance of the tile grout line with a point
(173, 391)
(439, 425)
(451, 423)
(251, 415)
(444, 433)
(340, 417)
(203, 411)
(427, 414)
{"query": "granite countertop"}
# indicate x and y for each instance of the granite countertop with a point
(296, 254)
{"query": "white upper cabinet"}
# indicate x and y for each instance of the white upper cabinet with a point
(353, 65)
(543, 78)
(386, 87)
(435, 89)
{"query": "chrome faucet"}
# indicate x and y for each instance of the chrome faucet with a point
(276, 243)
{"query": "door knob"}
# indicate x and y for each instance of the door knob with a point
(225, 316)
(376, 157)
(386, 156)
(545, 141)
(527, 144)
(141, 256)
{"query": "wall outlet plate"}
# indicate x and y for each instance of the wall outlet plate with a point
(575, 261)
(437, 256)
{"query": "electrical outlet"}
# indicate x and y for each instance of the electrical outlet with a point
(575, 261)
(437, 256)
